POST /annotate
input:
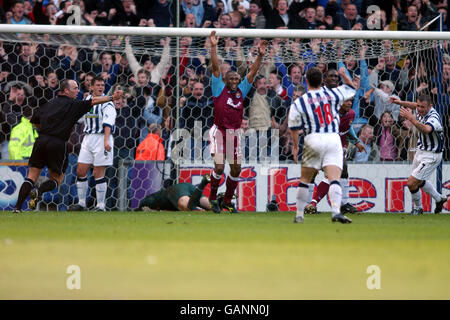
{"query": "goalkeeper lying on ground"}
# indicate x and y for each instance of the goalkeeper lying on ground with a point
(180, 196)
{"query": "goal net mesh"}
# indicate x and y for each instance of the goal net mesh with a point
(174, 92)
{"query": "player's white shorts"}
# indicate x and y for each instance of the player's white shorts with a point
(321, 150)
(425, 163)
(227, 142)
(93, 150)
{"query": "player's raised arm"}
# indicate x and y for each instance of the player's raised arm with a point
(255, 67)
(103, 99)
(214, 40)
(408, 104)
(345, 78)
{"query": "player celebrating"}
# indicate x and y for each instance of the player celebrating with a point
(316, 113)
(96, 148)
(346, 117)
(224, 136)
(331, 80)
(180, 196)
(430, 145)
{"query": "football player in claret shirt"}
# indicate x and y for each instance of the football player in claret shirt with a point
(229, 94)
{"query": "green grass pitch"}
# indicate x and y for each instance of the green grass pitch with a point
(201, 255)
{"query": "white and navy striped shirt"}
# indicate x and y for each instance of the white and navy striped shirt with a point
(317, 110)
(433, 141)
(99, 116)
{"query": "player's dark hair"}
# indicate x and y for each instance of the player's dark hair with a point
(97, 78)
(228, 73)
(424, 98)
(314, 77)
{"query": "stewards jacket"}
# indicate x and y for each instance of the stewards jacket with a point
(151, 148)
(22, 140)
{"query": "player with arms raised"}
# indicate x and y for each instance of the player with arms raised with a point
(430, 145)
(316, 113)
(224, 136)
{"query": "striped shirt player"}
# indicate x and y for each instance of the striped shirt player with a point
(430, 145)
(97, 148)
(316, 113)
(92, 148)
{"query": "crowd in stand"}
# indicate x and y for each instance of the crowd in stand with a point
(30, 71)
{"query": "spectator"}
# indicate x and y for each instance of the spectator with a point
(257, 19)
(189, 21)
(12, 110)
(240, 17)
(306, 22)
(366, 138)
(224, 21)
(151, 148)
(46, 88)
(278, 16)
(24, 65)
(161, 13)
(148, 64)
(46, 16)
(320, 16)
(275, 85)
(349, 18)
(107, 69)
(18, 10)
(194, 7)
(125, 15)
(22, 137)
(5, 77)
(124, 75)
(408, 140)
(381, 100)
(85, 88)
(412, 21)
(196, 107)
(245, 125)
(388, 137)
(262, 105)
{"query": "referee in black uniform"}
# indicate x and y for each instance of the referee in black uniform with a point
(55, 121)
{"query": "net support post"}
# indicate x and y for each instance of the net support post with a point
(122, 185)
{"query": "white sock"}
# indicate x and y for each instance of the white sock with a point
(417, 198)
(310, 191)
(100, 188)
(428, 188)
(345, 188)
(302, 198)
(82, 186)
(335, 195)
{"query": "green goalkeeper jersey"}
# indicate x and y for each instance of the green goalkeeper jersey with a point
(167, 199)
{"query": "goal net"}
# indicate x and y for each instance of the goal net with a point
(166, 76)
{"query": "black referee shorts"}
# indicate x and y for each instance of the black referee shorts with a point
(51, 152)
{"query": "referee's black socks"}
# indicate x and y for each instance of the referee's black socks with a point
(25, 190)
(48, 185)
